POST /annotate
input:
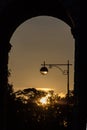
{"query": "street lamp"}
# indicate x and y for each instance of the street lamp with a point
(44, 71)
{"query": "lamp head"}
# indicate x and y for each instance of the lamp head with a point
(44, 69)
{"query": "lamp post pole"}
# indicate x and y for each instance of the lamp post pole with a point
(68, 81)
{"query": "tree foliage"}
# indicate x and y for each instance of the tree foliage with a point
(25, 111)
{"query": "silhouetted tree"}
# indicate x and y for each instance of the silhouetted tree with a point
(25, 112)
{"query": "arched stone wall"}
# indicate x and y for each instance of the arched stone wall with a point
(13, 13)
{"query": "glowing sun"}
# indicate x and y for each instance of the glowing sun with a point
(43, 100)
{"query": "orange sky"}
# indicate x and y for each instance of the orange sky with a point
(38, 39)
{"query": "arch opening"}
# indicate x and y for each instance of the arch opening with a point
(37, 39)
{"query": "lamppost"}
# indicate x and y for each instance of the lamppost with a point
(44, 71)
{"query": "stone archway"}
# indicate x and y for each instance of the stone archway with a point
(13, 13)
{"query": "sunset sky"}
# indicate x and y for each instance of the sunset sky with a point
(37, 40)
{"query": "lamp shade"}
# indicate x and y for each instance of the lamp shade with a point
(44, 70)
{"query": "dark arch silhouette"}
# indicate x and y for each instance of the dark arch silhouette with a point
(15, 12)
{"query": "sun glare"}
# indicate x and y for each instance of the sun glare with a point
(44, 89)
(43, 100)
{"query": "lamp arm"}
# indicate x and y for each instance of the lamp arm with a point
(63, 71)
